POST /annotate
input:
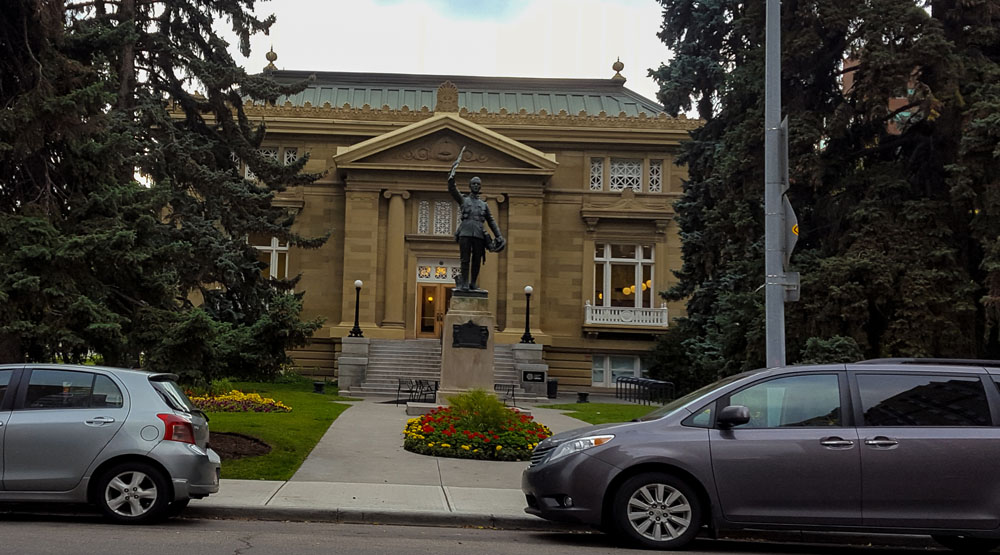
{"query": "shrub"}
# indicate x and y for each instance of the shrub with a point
(473, 428)
(237, 401)
(479, 411)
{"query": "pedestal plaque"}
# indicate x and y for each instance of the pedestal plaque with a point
(467, 346)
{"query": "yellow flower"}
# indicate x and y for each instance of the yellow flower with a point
(445, 445)
(430, 445)
(499, 447)
(466, 447)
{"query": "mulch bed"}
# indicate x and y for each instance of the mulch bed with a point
(236, 446)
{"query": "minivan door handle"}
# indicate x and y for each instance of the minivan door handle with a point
(99, 421)
(835, 442)
(881, 441)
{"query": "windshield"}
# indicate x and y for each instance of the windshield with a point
(173, 395)
(676, 404)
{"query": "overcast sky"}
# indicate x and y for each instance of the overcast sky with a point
(510, 38)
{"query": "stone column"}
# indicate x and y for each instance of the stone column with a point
(395, 263)
(360, 256)
(524, 259)
(490, 273)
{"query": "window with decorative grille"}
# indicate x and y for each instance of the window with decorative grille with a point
(596, 174)
(626, 173)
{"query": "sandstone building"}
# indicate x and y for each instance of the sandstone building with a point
(579, 173)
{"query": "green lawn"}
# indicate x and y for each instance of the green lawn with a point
(601, 413)
(291, 435)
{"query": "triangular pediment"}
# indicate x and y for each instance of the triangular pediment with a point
(434, 143)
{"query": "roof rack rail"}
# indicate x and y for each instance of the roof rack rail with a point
(934, 361)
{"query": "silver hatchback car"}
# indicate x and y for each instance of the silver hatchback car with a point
(888, 446)
(127, 441)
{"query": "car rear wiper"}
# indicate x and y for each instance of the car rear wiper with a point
(202, 413)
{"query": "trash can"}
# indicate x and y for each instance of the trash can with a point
(552, 389)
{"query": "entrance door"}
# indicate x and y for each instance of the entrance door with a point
(433, 302)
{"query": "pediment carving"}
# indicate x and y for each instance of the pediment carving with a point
(434, 143)
(443, 147)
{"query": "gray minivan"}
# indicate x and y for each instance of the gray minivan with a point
(887, 446)
(127, 441)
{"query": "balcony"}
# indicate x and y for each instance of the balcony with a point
(625, 318)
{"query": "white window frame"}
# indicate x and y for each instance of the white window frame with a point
(605, 359)
(275, 248)
(638, 261)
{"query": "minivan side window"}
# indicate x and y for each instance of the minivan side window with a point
(807, 400)
(921, 400)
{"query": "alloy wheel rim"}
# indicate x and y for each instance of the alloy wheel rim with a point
(130, 494)
(659, 512)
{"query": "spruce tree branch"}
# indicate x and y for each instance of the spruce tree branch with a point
(27, 46)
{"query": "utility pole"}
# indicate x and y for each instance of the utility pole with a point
(774, 285)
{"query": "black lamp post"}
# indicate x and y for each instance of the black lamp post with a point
(526, 338)
(356, 331)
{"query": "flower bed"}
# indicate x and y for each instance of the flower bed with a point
(444, 432)
(237, 401)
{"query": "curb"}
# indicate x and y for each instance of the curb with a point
(390, 517)
(529, 523)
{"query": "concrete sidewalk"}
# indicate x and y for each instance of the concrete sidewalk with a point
(359, 472)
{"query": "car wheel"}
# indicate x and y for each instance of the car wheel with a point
(657, 510)
(133, 493)
(177, 507)
(968, 544)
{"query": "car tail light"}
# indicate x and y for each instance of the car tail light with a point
(178, 428)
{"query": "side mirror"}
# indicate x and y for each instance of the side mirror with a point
(733, 415)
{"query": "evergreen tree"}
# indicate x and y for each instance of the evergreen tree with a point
(157, 270)
(887, 253)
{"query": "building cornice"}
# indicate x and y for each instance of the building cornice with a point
(345, 115)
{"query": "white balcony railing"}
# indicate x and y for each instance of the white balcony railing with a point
(626, 316)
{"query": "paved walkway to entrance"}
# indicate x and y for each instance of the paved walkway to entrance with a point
(359, 470)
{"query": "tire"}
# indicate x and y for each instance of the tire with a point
(968, 544)
(657, 510)
(133, 493)
(177, 507)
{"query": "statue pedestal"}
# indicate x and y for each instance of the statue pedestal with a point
(467, 345)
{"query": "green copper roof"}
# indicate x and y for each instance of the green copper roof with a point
(591, 96)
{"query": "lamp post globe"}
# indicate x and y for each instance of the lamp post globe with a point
(526, 338)
(356, 330)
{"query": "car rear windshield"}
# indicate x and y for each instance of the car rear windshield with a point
(172, 394)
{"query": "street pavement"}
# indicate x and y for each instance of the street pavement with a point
(359, 472)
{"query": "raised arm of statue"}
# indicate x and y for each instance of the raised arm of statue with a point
(452, 188)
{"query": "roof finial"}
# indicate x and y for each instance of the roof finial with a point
(271, 57)
(618, 66)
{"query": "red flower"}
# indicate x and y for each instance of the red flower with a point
(428, 429)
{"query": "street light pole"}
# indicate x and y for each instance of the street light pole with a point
(775, 276)
(526, 338)
(356, 330)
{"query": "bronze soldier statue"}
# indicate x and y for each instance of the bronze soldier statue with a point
(473, 241)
